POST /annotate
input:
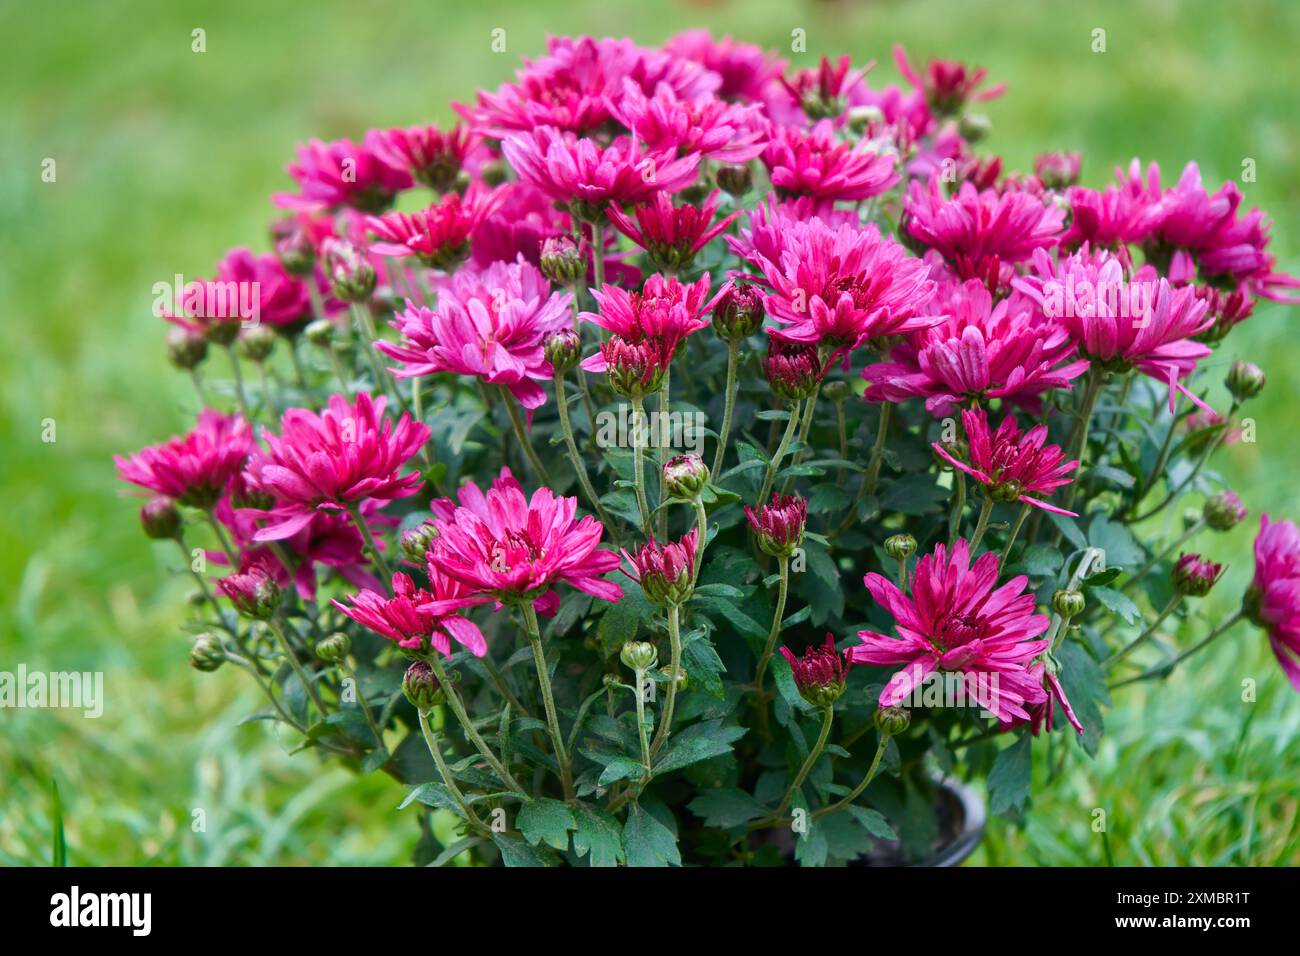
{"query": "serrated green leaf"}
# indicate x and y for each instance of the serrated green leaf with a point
(726, 807)
(1010, 776)
(598, 836)
(647, 842)
(546, 820)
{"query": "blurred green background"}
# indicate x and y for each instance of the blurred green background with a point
(166, 157)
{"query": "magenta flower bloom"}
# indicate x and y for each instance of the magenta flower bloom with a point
(252, 590)
(779, 526)
(439, 235)
(820, 674)
(505, 546)
(573, 86)
(1011, 465)
(433, 157)
(524, 218)
(1042, 715)
(813, 163)
(635, 369)
(490, 323)
(842, 286)
(664, 571)
(344, 173)
(587, 177)
(334, 461)
(710, 127)
(979, 351)
(958, 620)
(975, 231)
(947, 84)
(746, 70)
(193, 470)
(274, 296)
(823, 93)
(665, 311)
(672, 235)
(1142, 322)
(406, 620)
(1273, 601)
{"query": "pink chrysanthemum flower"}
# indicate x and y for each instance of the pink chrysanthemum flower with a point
(664, 571)
(524, 218)
(713, 128)
(490, 323)
(842, 286)
(505, 546)
(1011, 465)
(433, 157)
(947, 84)
(957, 619)
(746, 70)
(440, 235)
(276, 297)
(344, 173)
(820, 673)
(813, 163)
(1042, 715)
(823, 92)
(1273, 601)
(405, 618)
(980, 351)
(975, 231)
(779, 525)
(665, 311)
(195, 469)
(587, 177)
(572, 87)
(334, 461)
(672, 235)
(1144, 323)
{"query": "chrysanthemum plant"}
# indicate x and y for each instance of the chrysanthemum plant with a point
(713, 460)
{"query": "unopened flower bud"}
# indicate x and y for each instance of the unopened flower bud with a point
(1195, 576)
(334, 648)
(421, 687)
(185, 348)
(562, 261)
(739, 313)
(892, 721)
(735, 180)
(1224, 511)
(223, 331)
(820, 673)
(900, 547)
(635, 369)
(206, 654)
(255, 344)
(1058, 171)
(319, 332)
(638, 655)
(293, 247)
(792, 370)
(160, 519)
(860, 118)
(779, 526)
(685, 476)
(837, 390)
(254, 593)
(1245, 380)
(493, 173)
(665, 572)
(1068, 603)
(563, 349)
(417, 541)
(1006, 491)
(974, 127)
(351, 275)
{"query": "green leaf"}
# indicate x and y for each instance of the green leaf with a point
(374, 760)
(873, 821)
(1040, 560)
(618, 768)
(1010, 776)
(431, 795)
(1085, 687)
(701, 741)
(812, 848)
(1116, 602)
(647, 842)
(726, 807)
(515, 852)
(620, 622)
(1121, 548)
(1069, 528)
(598, 836)
(829, 497)
(703, 665)
(546, 820)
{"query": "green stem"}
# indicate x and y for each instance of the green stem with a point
(666, 718)
(958, 506)
(857, 791)
(640, 725)
(431, 741)
(458, 708)
(664, 407)
(775, 464)
(828, 717)
(1143, 571)
(877, 450)
(982, 524)
(1144, 636)
(278, 630)
(517, 421)
(239, 383)
(355, 513)
(361, 702)
(638, 475)
(1162, 669)
(1079, 436)
(548, 697)
(579, 466)
(729, 406)
(702, 527)
(810, 406)
(783, 564)
(1015, 531)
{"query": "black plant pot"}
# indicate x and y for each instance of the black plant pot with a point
(962, 815)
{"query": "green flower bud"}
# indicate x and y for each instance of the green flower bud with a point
(1245, 380)
(416, 542)
(334, 648)
(1224, 511)
(563, 349)
(206, 654)
(861, 117)
(638, 655)
(685, 476)
(562, 261)
(421, 687)
(900, 547)
(1068, 603)
(255, 344)
(186, 349)
(892, 721)
(974, 127)
(735, 180)
(319, 332)
(222, 332)
(160, 519)
(837, 390)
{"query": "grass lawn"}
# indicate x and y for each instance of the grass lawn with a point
(165, 158)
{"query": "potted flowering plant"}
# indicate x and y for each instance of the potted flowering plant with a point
(687, 458)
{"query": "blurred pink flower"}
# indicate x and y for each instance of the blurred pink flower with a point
(518, 224)
(957, 619)
(746, 70)
(407, 620)
(709, 127)
(1273, 601)
(490, 323)
(1013, 466)
(334, 461)
(433, 157)
(439, 235)
(195, 469)
(344, 173)
(813, 163)
(947, 84)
